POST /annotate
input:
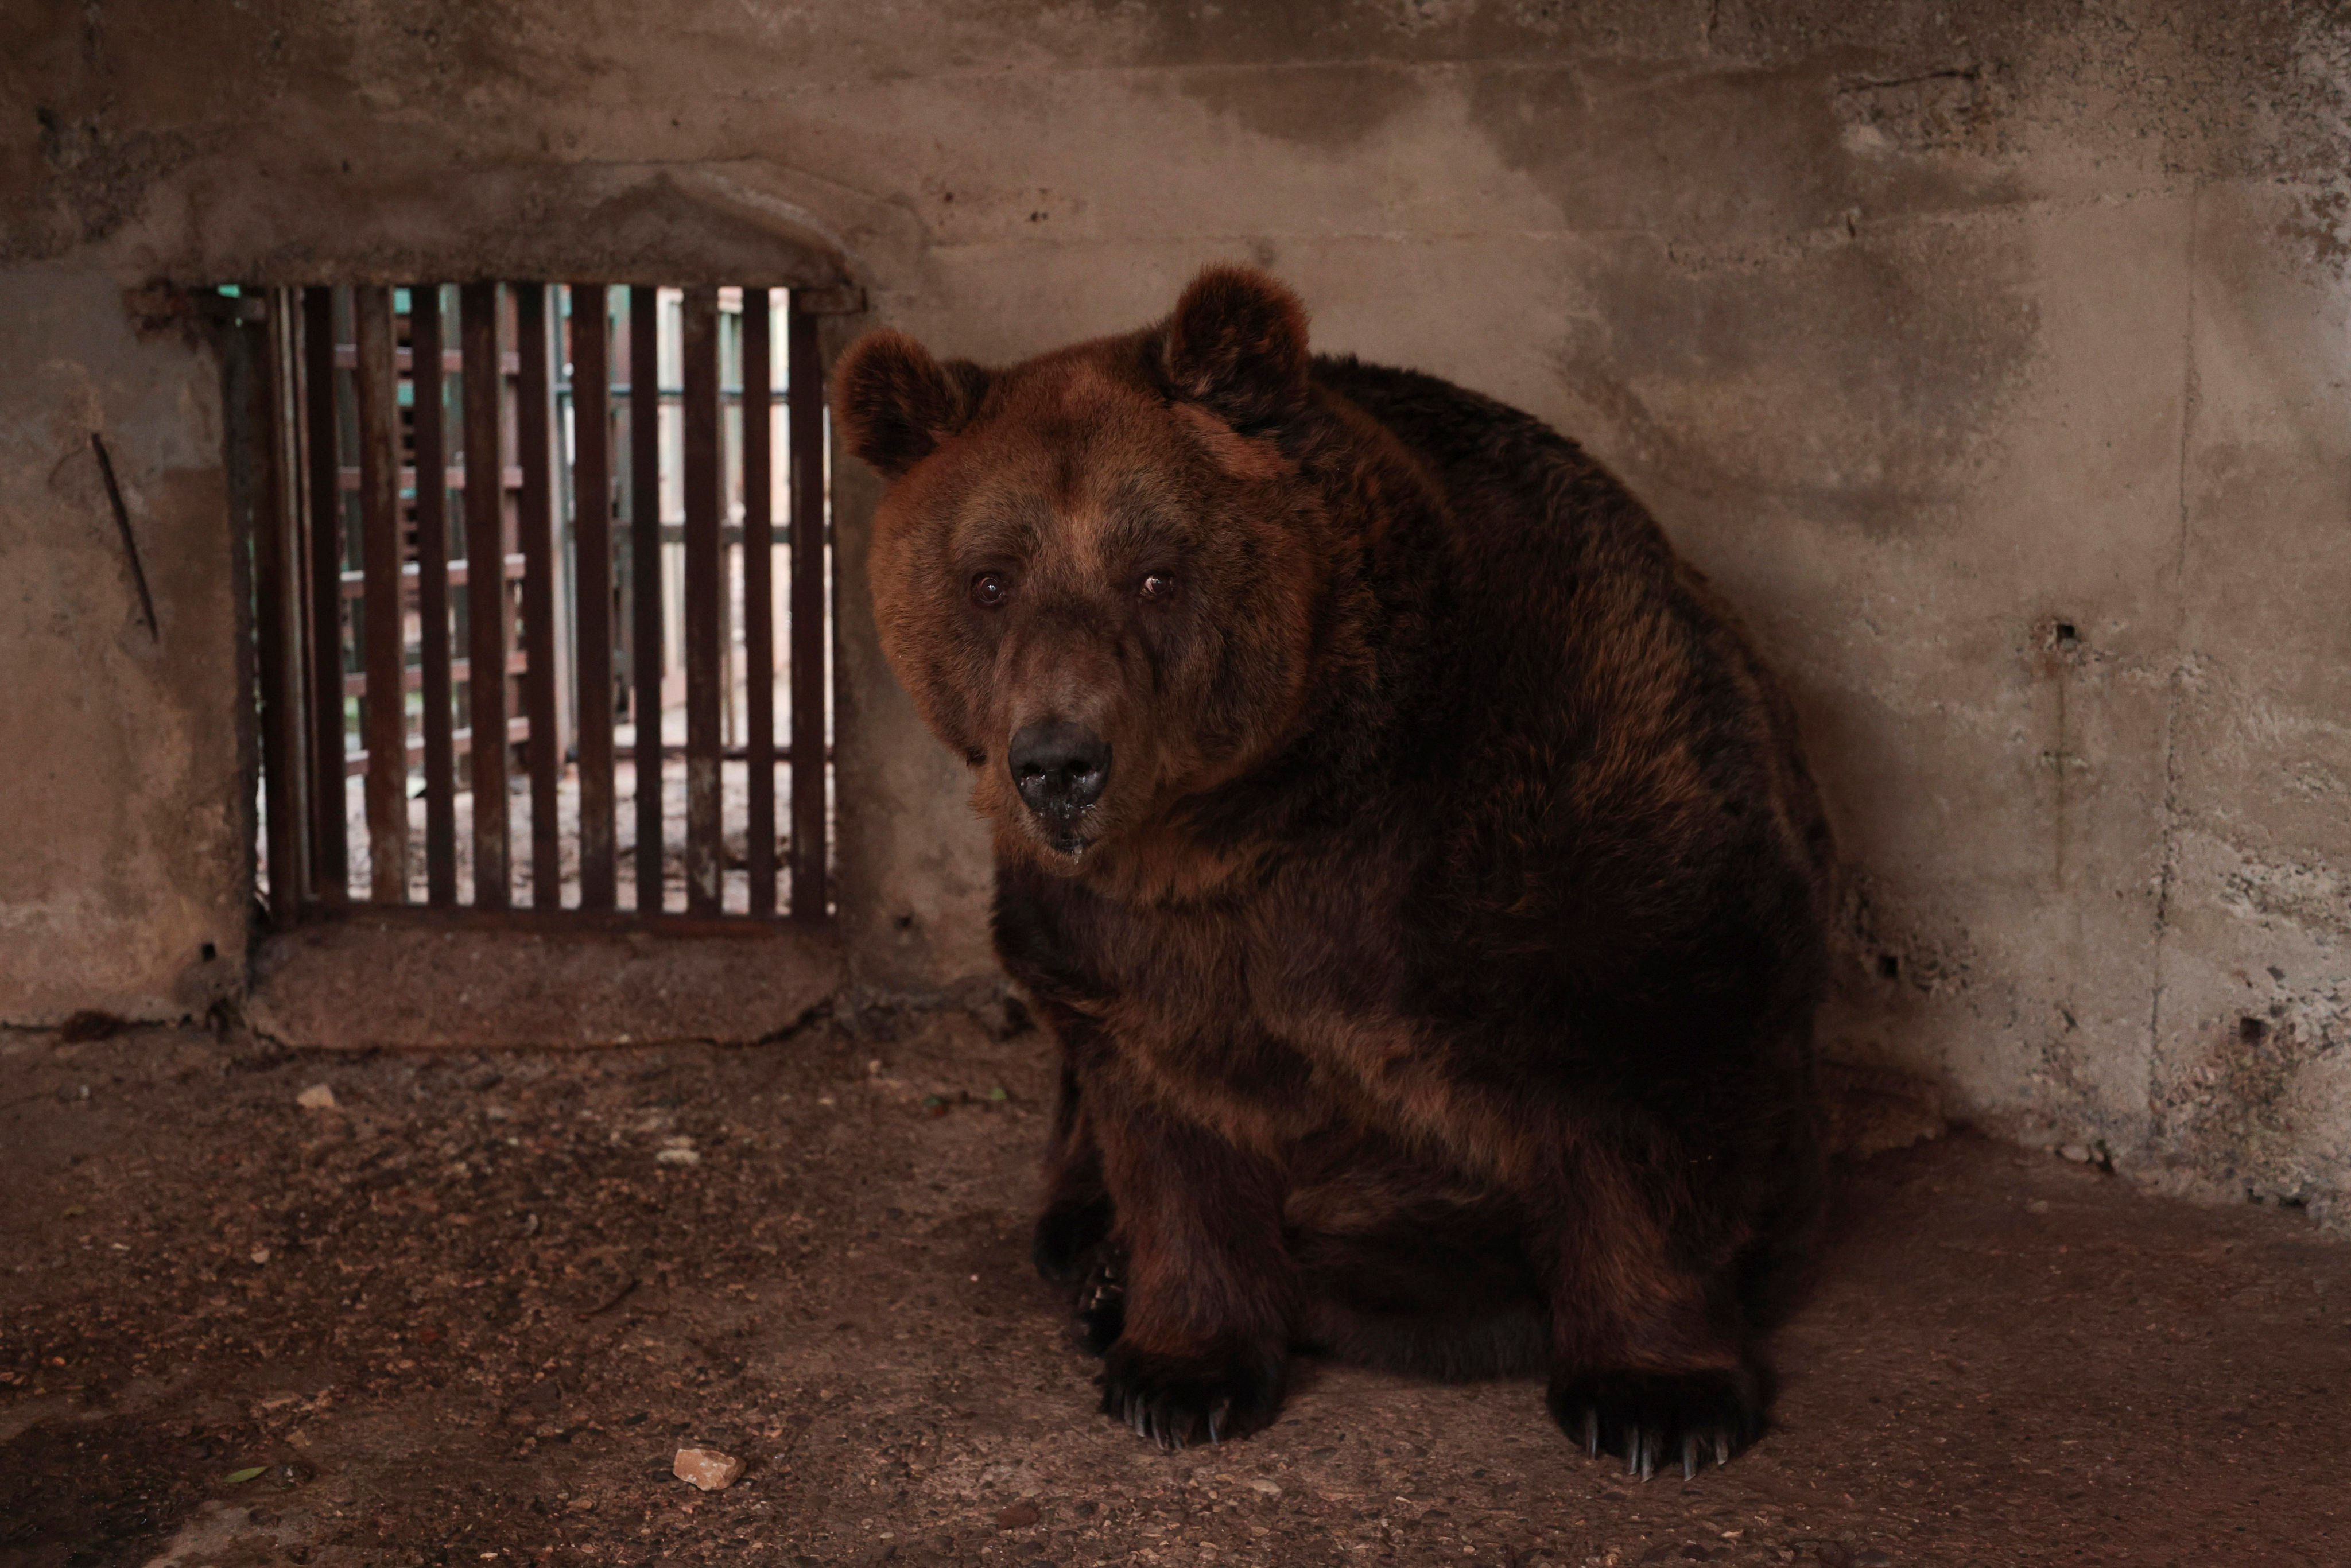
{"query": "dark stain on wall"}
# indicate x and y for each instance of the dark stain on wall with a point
(1902, 349)
(1326, 106)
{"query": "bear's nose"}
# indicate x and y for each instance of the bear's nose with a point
(1059, 767)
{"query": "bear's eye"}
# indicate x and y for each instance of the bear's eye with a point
(989, 589)
(1157, 586)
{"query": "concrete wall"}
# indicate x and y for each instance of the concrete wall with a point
(1992, 355)
(123, 864)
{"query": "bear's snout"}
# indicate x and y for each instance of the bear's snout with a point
(1059, 768)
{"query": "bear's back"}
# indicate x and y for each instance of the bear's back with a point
(1621, 732)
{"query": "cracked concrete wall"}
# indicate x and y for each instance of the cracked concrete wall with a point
(1991, 355)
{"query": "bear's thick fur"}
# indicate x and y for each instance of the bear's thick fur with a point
(1414, 861)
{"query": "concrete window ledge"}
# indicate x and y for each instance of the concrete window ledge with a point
(362, 983)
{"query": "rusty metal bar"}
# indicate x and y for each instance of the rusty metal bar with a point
(533, 409)
(758, 601)
(450, 361)
(329, 859)
(591, 525)
(437, 672)
(805, 395)
(553, 922)
(645, 579)
(517, 731)
(704, 823)
(277, 605)
(509, 478)
(486, 592)
(382, 641)
(129, 541)
(354, 583)
(459, 670)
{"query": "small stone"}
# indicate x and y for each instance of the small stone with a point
(582, 1505)
(1018, 1516)
(679, 1152)
(2077, 1153)
(1270, 1489)
(261, 1254)
(705, 1468)
(318, 1097)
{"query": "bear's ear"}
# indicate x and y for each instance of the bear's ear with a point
(1237, 343)
(895, 403)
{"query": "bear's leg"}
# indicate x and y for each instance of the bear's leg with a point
(1210, 1289)
(1651, 1361)
(1077, 1213)
(1072, 1243)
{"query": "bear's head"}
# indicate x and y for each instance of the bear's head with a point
(1097, 572)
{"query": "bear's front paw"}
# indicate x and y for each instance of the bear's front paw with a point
(1175, 1399)
(1067, 1234)
(1649, 1418)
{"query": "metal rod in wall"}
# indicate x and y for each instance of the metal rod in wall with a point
(484, 593)
(436, 677)
(381, 623)
(591, 484)
(645, 579)
(758, 601)
(277, 605)
(805, 393)
(533, 438)
(705, 824)
(329, 862)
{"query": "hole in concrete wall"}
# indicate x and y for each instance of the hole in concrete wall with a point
(1889, 967)
(2064, 636)
(2253, 1031)
(209, 952)
(638, 459)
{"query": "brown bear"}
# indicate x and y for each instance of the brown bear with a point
(1413, 860)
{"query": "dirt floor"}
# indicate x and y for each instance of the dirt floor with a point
(470, 1313)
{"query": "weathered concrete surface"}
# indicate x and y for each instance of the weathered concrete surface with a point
(1991, 355)
(364, 984)
(123, 869)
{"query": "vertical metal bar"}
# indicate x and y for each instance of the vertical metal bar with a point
(243, 343)
(486, 592)
(329, 862)
(382, 622)
(534, 407)
(646, 579)
(704, 824)
(591, 484)
(433, 596)
(810, 591)
(277, 607)
(758, 601)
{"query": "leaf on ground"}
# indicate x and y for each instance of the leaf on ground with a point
(238, 1478)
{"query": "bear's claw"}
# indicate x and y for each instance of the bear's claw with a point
(1102, 1302)
(1649, 1418)
(1176, 1400)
